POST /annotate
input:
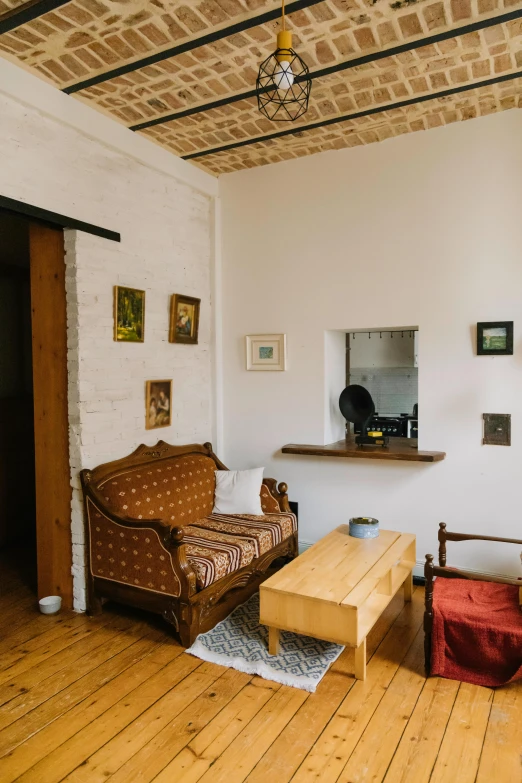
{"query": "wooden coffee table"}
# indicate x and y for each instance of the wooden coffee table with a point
(338, 589)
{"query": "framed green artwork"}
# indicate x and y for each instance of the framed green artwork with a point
(495, 338)
(129, 315)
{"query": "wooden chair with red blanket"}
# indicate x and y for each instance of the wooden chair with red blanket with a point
(472, 624)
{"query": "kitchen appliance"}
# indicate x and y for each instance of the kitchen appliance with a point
(390, 426)
(403, 426)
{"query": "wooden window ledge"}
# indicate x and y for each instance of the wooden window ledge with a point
(398, 449)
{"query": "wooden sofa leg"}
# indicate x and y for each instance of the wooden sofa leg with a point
(94, 602)
(185, 619)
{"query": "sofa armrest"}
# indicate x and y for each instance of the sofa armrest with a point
(148, 549)
(279, 492)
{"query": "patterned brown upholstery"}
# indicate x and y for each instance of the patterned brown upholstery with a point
(268, 502)
(219, 544)
(179, 490)
(133, 556)
(154, 543)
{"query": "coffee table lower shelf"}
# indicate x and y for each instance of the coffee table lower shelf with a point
(338, 589)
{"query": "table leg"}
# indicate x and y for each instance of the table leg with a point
(408, 587)
(360, 661)
(273, 641)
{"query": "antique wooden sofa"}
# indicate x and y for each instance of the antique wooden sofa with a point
(153, 543)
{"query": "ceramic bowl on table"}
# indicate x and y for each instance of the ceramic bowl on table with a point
(364, 527)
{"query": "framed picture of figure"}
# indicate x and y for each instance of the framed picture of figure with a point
(158, 405)
(184, 319)
(129, 314)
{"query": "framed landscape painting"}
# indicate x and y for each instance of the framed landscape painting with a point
(184, 319)
(158, 411)
(495, 338)
(266, 352)
(129, 315)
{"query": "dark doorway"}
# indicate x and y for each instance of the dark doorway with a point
(35, 490)
(17, 452)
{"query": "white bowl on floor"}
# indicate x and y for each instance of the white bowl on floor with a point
(51, 604)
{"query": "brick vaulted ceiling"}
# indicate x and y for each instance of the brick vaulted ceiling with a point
(182, 72)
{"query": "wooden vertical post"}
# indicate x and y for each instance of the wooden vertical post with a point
(273, 641)
(360, 661)
(49, 340)
(428, 612)
(408, 587)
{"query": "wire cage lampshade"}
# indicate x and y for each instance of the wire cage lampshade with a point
(283, 83)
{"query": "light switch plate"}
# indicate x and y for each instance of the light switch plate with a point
(497, 429)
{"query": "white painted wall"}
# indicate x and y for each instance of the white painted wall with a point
(165, 220)
(434, 218)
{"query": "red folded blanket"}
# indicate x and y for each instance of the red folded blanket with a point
(477, 632)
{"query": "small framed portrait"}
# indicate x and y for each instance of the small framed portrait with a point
(266, 352)
(184, 319)
(158, 406)
(495, 338)
(129, 315)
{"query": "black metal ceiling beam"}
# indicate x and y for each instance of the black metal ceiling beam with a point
(343, 66)
(356, 115)
(27, 13)
(195, 43)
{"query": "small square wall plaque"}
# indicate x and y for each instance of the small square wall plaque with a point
(266, 351)
(497, 429)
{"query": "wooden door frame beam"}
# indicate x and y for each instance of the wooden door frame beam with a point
(54, 219)
(51, 413)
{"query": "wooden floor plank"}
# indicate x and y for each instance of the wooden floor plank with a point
(123, 704)
(328, 757)
(418, 749)
(63, 632)
(291, 747)
(202, 752)
(32, 627)
(33, 675)
(389, 720)
(142, 750)
(28, 620)
(153, 658)
(461, 747)
(502, 749)
(107, 642)
(186, 676)
(55, 649)
(56, 707)
(238, 759)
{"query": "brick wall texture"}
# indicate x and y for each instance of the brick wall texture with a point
(85, 38)
(165, 249)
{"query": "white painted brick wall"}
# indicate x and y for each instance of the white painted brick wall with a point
(166, 248)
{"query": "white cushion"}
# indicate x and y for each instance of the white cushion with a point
(238, 492)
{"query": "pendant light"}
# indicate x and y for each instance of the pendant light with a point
(283, 82)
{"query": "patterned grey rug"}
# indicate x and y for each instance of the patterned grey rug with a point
(240, 642)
